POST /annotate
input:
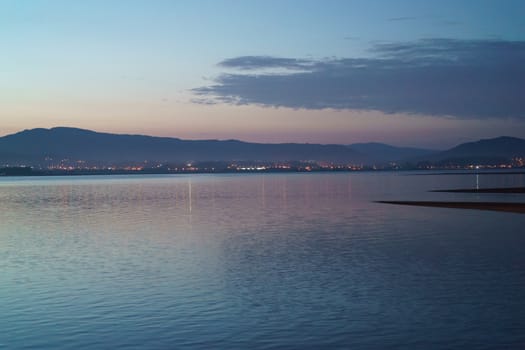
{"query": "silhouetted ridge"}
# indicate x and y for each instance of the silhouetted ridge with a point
(499, 146)
(33, 146)
(487, 151)
(80, 144)
(382, 153)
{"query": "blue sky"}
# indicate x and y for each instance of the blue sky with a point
(165, 68)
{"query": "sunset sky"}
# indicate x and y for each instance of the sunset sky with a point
(408, 73)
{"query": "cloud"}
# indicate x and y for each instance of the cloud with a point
(404, 18)
(463, 78)
(263, 62)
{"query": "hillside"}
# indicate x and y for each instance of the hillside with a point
(78, 144)
(486, 151)
(380, 153)
(33, 147)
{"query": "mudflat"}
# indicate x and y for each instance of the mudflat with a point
(495, 206)
(485, 190)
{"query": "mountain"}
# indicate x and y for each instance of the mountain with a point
(33, 146)
(486, 151)
(380, 153)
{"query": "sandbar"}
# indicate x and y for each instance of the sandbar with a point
(496, 206)
(486, 190)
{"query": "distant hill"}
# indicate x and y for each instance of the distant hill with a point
(487, 151)
(380, 153)
(34, 145)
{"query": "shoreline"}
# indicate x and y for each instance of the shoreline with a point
(484, 190)
(493, 206)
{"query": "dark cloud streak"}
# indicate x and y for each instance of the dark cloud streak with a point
(404, 18)
(264, 62)
(462, 78)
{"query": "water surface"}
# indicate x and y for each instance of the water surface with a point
(258, 261)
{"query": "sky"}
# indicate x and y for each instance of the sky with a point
(416, 73)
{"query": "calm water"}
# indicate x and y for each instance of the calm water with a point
(304, 261)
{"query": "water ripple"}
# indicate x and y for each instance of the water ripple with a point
(303, 261)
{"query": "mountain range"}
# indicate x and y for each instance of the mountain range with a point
(488, 151)
(34, 146)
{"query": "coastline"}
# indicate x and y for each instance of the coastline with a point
(484, 190)
(493, 206)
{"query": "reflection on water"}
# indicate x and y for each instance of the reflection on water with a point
(258, 261)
